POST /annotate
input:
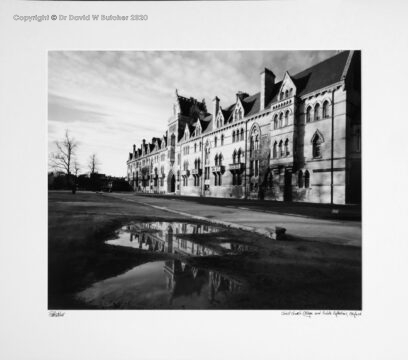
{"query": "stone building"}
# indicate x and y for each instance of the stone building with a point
(298, 139)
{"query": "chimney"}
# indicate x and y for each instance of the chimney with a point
(267, 82)
(216, 106)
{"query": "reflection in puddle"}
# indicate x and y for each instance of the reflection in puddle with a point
(168, 284)
(165, 237)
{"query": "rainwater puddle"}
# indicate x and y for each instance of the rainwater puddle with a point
(238, 248)
(170, 284)
(172, 237)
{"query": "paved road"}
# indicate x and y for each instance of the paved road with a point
(332, 231)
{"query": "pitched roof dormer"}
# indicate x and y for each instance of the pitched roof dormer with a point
(239, 110)
(198, 129)
(288, 87)
(186, 133)
(219, 119)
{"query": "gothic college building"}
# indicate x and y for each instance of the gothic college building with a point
(298, 139)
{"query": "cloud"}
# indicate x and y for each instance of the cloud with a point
(113, 99)
(66, 110)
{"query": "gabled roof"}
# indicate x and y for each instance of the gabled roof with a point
(192, 109)
(206, 124)
(227, 113)
(315, 77)
(252, 104)
(322, 74)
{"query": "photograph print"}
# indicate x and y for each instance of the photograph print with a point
(204, 180)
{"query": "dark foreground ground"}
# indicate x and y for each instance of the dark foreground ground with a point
(294, 274)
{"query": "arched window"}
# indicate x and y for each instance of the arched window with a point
(234, 157)
(254, 140)
(238, 114)
(207, 155)
(290, 92)
(281, 95)
(201, 145)
(287, 147)
(275, 150)
(286, 118)
(307, 179)
(233, 136)
(317, 112)
(242, 134)
(280, 148)
(195, 147)
(275, 122)
(326, 109)
(300, 179)
(317, 141)
(215, 141)
(309, 114)
(286, 93)
(280, 120)
(239, 155)
(220, 157)
(222, 139)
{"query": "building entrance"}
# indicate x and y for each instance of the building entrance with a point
(171, 183)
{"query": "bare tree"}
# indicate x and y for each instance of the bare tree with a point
(64, 158)
(93, 164)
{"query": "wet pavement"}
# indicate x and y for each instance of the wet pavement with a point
(339, 232)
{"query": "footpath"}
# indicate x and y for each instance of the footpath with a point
(341, 232)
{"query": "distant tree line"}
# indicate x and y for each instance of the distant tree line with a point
(65, 168)
(95, 182)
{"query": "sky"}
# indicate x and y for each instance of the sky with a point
(110, 100)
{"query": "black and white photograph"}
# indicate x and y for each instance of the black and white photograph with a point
(204, 180)
(194, 180)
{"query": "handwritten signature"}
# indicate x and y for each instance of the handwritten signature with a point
(309, 314)
(56, 313)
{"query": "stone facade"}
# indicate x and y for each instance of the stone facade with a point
(296, 140)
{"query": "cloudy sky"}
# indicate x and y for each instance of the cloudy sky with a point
(110, 100)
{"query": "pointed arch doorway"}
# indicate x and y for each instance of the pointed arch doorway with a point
(171, 183)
